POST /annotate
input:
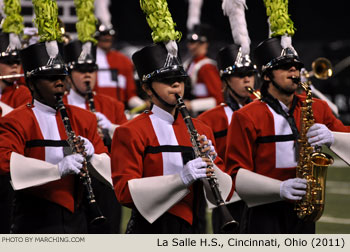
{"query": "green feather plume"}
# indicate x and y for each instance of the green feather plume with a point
(280, 22)
(46, 13)
(86, 25)
(159, 20)
(13, 22)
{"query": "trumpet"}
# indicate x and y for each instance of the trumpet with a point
(321, 69)
(254, 92)
(10, 76)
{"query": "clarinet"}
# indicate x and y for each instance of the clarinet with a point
(95, 215)
(228, 225)
(107, 140)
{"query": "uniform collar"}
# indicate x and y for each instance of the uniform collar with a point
(198, 58)
(75, 97)
(162, 114)
(44, 108)
(284, 107)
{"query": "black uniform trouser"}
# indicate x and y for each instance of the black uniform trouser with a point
(109, 206)
(236, 210)
(6, 200)
(275, 218)
(33, 215)
(165, 224)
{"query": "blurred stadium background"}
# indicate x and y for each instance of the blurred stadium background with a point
(322, 31)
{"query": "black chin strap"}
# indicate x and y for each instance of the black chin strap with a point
(230, 101)
(231, 89)
(160, 99)
(282, 90)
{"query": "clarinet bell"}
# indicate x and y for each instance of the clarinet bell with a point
(228, 225)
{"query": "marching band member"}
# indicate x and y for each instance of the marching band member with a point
(154, 172)
(235, 79)
(262, 158)
(45, 187)
(238, 74)
(49, 197)
(116, 74)
(12, 95)
(264, 155)
(206, 86)
(154, 169)
(109, 113)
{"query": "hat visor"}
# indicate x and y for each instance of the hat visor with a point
(51, 72)
(288, 60)
(170, 74)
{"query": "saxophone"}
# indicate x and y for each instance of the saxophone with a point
(312, 164)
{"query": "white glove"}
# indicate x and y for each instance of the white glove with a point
(211, 150)
(319, 134)
(70, 164)
(193, 170)
(88, 147)
(102, 121)
(293, 189)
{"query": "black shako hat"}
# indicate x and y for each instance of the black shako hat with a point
(72, 52)
(230, 61)
(269, 54)
(150, 64)
(35, 61)
(102, 29)
(200, 33)
(4, 44)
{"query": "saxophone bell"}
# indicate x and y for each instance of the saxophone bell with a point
(254, 92)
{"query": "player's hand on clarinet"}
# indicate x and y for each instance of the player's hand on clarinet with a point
(86, 146)
(207, 147)
(71, 164)
(196, 169)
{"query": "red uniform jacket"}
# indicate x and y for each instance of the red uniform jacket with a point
(136, 154)
(218, 120)
(20, 127)
(111, 108)
(251, 138)
(209, 76)
(16, 95)
(126, 84)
